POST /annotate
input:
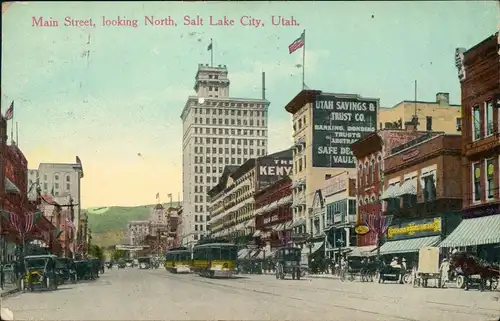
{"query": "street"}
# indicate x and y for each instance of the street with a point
(156, 294)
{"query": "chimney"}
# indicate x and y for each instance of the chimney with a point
(328, 176)
(263, 85)
(443, 99)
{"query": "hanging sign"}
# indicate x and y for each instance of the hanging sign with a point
(361, 229)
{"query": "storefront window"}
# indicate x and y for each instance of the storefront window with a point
(476, 177)
(490, 179)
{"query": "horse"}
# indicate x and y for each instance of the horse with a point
(468, 265)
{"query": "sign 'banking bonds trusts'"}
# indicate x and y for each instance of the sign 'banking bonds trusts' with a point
(338, 123)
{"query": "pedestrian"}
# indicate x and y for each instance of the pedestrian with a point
(2, 277)
(444, 270)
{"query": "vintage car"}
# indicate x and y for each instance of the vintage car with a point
(66, 270)
(121, 264)
(40, 272)
(288, 262)
(144, 262)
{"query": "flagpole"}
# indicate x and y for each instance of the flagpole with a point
(304, 61)
(211, 53)
(12, 129)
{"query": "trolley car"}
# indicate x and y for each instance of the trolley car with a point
(178, 260)
(215, 259)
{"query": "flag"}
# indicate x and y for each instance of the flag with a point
(70, 224)
(78, 160)
(52, 191)
(169, 195)
(57, 233)
(9, 114)
(157, 196)
(209, 47)
(30, 221)
(298, 43)
(15, 220)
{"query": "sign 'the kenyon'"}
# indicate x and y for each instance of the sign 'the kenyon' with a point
(338, 123)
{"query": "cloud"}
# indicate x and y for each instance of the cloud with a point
(251, 79)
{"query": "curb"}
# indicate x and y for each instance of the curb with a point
(9, 292)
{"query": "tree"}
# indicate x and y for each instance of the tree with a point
(96, 251)
(118, 254)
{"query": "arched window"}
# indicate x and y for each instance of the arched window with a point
(372, 171)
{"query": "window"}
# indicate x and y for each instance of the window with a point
(68, 187)
(429, 188)
(372, 171)
(476, 179)
(68, 178)
(488, 118)
(410, 192)
(459, 124)
(56, 177)
(476, 122)
(490, 179)
(428, 123)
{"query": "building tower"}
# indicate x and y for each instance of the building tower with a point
(217, 131)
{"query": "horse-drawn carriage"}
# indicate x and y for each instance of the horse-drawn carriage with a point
(288, 262)
(470, 271)
(66, 270)
(363, 268)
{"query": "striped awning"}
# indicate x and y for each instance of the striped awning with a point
(243, 253)
(11, 187)
(393, 191)
(408, 246)
(299, 222)
(409, 187)
(475, 231)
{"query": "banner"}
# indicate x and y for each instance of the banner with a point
(420, 228)
(337, 124)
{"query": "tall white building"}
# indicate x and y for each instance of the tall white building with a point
(217, 131)
(61, 180)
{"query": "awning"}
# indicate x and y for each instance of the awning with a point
(409, 187)
(272, 206)
(299, 222)
(258, 255)
(391, 192)
(257, 233)
(243, 253)
(362, 251)
(250, 223)
(11, 187)
(316, 246)
(475, 231)
(408, 246)
(277, 227)
(288, 225)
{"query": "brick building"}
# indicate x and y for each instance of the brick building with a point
(479, 70)
(370, 152)
(273, 213)
(422, 192)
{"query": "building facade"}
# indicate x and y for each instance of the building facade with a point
(370, 153)
(218, 131)
(479, 70)
(325, 125)
(232, 200)
(63, 182)
(137, 232)
(273, 214)
(422, 193)
(438, 115)
(334, 216)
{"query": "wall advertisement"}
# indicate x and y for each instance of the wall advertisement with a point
(272, 169)
(420, 228)
(338, 123)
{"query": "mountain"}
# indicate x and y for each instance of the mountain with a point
(109, 224)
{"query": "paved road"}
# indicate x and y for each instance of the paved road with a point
(157, 295)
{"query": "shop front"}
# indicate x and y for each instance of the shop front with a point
(407, 238)
(478, 233)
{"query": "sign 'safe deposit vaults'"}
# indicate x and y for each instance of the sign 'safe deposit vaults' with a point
(338, 123)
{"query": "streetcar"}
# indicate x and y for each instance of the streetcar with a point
(178, 260)
(215, 259)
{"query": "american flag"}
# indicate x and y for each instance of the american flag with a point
(70, 224)
(15, 220)
(378, 224)
(298, 43)
(30, 220)
(9, 114)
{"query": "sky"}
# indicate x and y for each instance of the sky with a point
(125, 97)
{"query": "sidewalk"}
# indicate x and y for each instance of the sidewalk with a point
(8, 290)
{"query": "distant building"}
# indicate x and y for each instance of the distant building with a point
(62, 181)
(137, 232)
(437, 115)
(218, 131)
